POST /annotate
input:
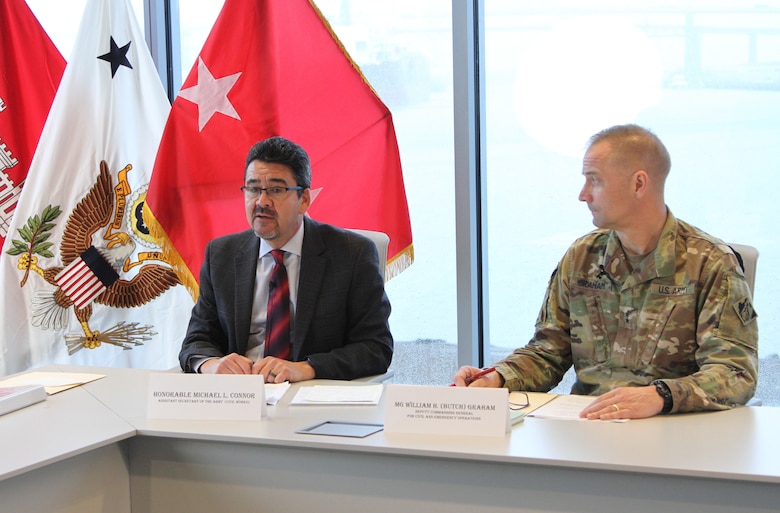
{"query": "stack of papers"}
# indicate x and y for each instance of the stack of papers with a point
(338, 394)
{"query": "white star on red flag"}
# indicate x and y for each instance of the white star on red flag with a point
(210, 95)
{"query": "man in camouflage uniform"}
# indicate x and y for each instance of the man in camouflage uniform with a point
(655, 315)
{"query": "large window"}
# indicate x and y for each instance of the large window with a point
(705, 76)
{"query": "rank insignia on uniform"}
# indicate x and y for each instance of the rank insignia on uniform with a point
(745, 312)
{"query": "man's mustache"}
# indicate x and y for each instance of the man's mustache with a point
(264, 211)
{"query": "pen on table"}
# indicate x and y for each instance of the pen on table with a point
(478, 375)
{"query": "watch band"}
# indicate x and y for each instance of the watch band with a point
(666, 394)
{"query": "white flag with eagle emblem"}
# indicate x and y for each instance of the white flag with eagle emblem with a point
(82, 282)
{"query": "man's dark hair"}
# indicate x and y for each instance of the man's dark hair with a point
(278, 150)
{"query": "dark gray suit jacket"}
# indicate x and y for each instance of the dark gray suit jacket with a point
(341, 319)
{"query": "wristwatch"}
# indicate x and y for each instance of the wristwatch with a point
(666, 394)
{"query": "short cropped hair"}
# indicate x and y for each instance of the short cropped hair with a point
(633, 145)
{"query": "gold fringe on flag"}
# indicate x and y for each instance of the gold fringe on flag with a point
(399, 263)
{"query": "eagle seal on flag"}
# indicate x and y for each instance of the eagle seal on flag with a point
(95, 249)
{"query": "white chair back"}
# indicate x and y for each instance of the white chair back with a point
(381, 241)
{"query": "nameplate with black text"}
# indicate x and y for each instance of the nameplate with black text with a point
(446, 410)
(206, 397)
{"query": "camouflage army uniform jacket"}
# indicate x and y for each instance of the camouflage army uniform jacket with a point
(684, 316)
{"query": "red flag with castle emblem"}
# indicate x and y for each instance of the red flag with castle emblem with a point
(30, 71)
(274, 67)
(81, 280)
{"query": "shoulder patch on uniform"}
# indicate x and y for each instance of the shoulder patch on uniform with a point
(745, 312)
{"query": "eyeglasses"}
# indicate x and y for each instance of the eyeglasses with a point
(274, 192)
(518, 401)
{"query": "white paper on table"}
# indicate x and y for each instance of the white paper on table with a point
(53, 382)
(275, 391)
(338, 394)
(566, 407)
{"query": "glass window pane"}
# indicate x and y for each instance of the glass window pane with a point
(705, 76)
(196, 18)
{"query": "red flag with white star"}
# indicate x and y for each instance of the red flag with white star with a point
(30, 71)
(255, 78)
(258, 77)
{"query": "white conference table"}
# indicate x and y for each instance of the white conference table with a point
(93, 449)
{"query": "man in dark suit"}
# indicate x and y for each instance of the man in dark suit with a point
(338, 307)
